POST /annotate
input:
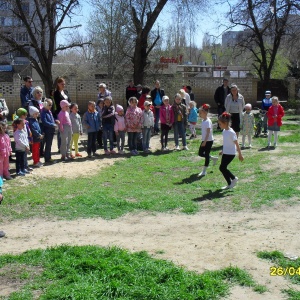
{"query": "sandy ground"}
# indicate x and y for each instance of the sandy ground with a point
(205, 241)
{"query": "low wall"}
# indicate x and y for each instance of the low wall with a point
(82, 91)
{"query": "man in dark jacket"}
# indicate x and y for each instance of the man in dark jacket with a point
(131, 91)
(26, 92)
(220, 96)
(157, 94)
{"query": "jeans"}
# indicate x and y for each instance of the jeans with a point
(156, 129)
(91, 146)
(20, 161)
(49, 134)
(120, 140)
(108, 133)
(226, 160)
(179, 129)
(65, 136)
(146, 138)
(265, 122)
(132, 140)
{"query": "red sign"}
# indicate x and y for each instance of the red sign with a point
(172, 60)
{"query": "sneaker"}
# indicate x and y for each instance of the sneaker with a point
(225, 187)
(26, 171)
(64, 158)
(185, 148)
(78, 155)
(50, 161)
(96, 154)
(30, 169)
(233, 182)
(8, 177)
(37, 165)
(177, 148)
(165, 149)
(89, 155)
(136, 152)
(269, 145)
(250, 146)
(20, 173)
(107, 152)
(40, 164)
(214, 159)
(133, 152)
(203, 173)
(113, 152)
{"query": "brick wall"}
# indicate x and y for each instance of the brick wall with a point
(82, 91)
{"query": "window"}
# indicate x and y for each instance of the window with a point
(21, 37)
(6, 21)
(5, 5)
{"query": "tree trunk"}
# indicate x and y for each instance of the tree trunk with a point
(140, 60)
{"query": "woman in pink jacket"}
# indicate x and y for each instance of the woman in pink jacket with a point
(166, 116)
(275, 114)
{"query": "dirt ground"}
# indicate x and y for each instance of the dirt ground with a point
(205, 241)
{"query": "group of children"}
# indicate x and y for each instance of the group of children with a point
(28, 134)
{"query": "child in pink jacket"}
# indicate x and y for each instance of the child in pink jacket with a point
(5, 152)
(120, 128)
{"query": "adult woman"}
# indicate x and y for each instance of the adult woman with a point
(37, 102)
(234, 104)
(60, 94)
(49, 129)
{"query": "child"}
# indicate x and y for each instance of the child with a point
(91, 120)
(133, 121)
(207, 138)
(180, 122)
(275, 114)
(99, 107)
(230, 146)
(22, 147)
(108, 122)
(36, 134)
(193, 118)
(247, 125)
(120, 128)
(148, 124)
(76, 129)
(5, 152)
(166, 116)
(65, 129)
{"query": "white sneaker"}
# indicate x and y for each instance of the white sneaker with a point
(203, 173)
(121, 152)
(177, 148)
(275, 145)
(250, 146)
(233, 182)
(214, 159)
(225, 187)
(185, 148)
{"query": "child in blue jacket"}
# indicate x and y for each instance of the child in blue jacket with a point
(193, 118)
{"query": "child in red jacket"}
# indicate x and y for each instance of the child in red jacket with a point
(275, 114)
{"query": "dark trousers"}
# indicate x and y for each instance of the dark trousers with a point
(99, 138)
(205, 151)
(48, 138)
(164, 134)
(91, 146)
(132, 140)
(226, 160)
(20, 161)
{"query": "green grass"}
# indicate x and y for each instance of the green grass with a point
(90, 272)
(282, 265)
(160, 183)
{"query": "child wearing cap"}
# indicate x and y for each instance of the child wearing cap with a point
(247, 125)
(120, 128)
(148, 124)
(265, 105)
(36, 134)
(5, 152)
(166, 116)
(65, 129)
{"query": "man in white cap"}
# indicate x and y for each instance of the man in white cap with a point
(265, 104)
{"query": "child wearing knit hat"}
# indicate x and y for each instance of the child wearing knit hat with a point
(36, 134)
(120, 128)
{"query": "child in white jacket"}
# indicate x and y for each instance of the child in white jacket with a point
(22, 147)
(120, 128)
(148, 124)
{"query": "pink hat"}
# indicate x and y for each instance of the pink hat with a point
(64, 103)
(119, 108)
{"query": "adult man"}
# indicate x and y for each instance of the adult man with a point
(26, 92)
(131, 91)
(157, 94)
(220, 96)
(265, 104)
(189, 91)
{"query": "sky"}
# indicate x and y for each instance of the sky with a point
(205, 22)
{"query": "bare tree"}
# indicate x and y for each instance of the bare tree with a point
(41, 21)
(266, 24)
